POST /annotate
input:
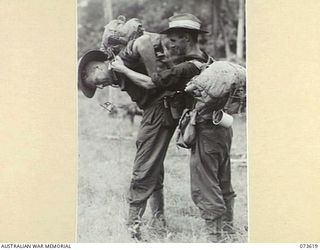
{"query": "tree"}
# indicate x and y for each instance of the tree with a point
(215, 6)
(225, 38)
(224, 18)
(108, 13)
(240, 36)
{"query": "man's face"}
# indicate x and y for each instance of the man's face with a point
(98, 74)
(178, 44)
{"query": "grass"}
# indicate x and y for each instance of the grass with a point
(106, 153)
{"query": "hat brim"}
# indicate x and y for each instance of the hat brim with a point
(182, 28)
(93, 55)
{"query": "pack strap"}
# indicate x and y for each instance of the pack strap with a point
(201, 65)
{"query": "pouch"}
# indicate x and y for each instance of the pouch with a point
(186, 134)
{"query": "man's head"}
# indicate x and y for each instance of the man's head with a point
(183, 33)
(93, 72)
(181, 41)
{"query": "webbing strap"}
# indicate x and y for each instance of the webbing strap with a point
(202, 66)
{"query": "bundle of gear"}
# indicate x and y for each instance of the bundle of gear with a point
(119, 32)
(217, 80)
(118, 39)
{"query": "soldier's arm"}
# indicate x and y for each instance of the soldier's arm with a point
(138, 78)
(175, 78)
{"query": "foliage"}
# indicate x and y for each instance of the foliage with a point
(154, 15)
(90, 25)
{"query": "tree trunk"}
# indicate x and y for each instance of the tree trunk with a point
(226, 40)
(230, 10)
(215, 7)
(108, 14)
(240, 35)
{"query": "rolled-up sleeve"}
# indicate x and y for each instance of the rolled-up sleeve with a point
(175, 78)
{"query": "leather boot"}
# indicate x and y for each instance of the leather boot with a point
(134, 220)
(156, 203)
(227, 218)
(214, 229)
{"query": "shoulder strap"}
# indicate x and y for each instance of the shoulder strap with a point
(201, 65)
(197, 63)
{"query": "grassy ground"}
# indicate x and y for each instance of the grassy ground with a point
(106, 153)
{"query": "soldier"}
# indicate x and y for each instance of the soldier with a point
(211, 187)
(155, 131)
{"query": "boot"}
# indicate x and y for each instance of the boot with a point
(227, 218)
(134, 220)
(214, 229)
(156, 203)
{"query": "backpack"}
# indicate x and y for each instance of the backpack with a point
(119, 32)
(216, 80)
(186, 131)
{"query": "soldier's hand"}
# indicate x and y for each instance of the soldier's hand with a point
(117, 65)
(193, 90)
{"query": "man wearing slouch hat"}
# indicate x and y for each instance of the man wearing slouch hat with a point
(211, 187)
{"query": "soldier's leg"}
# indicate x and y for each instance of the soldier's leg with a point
(214, 229)
(227, 218)
(226, 186)
(204, 168)
(148, 166)
(156, 200)
(206, 158)
(134, 219)
(228, 196)
(152, 144)
(156, 203)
